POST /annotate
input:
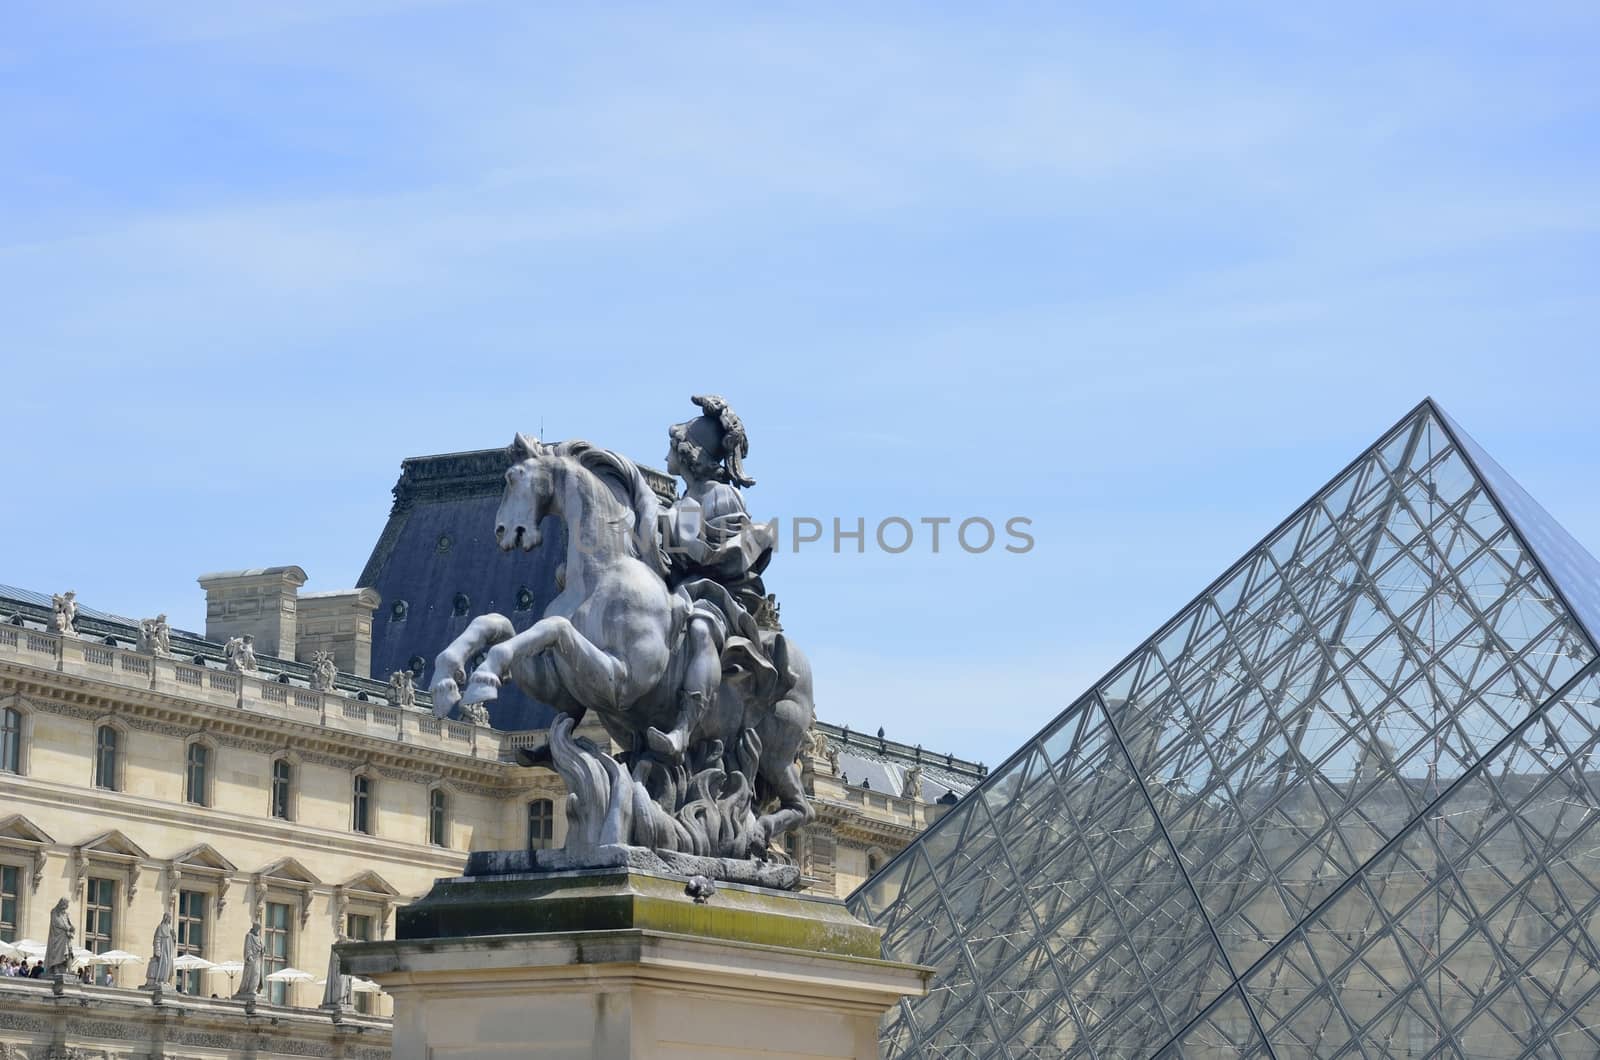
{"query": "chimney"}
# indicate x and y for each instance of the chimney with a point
(340, 622)
(260, 601)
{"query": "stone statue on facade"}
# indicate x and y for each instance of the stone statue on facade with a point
(656, 632)
(241, 654)
(912, 788)
(336, 994)
(250, 974)
(819, 746)
(58, 944)
(64, 616)
(163, 952)
(402, 693)
(323, 671)
(155, 636)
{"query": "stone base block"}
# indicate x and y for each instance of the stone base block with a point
(620, 965)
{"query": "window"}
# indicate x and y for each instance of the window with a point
(100, 922)
(106, 740)
(874, 862)
(437, 824)
(541, 824)
(282, 772)
(358, 928)
(275, 938)
(191, 936)
(194, 777)
(9, 903)
(11, 740)
(361, 806)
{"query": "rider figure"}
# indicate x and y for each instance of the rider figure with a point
(716, 553)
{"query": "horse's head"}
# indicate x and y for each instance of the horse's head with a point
(529, 488)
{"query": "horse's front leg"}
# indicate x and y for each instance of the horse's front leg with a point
(450, 668)
(589, 675)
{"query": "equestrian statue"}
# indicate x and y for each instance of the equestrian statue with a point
(663, 629)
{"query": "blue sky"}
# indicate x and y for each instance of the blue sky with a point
(1148, 277)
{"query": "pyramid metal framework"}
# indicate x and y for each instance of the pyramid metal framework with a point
(1341, 805)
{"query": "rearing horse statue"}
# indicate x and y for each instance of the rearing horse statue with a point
(620, 640)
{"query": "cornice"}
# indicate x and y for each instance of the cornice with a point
(119, 806)
(151, 710)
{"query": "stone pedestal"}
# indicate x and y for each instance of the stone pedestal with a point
(620, 964)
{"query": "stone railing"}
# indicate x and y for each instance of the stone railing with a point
(255, 693)
(110, 1021)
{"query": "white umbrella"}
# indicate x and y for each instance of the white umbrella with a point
(118, 957)
(290, 975)
(81, 957)
(188, 962)
(229, 969)
(8, 950)
(364, 986)
(30, 947)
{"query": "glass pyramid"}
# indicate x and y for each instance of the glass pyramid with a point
(1341, 805)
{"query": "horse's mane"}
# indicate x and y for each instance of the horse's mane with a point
(627, 484)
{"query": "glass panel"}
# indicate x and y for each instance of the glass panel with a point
(9, 902)
(280, 789)
(541, 824)
(195, 777)
(99, 923)
(10, 741)
(105, 759)
(276, 938)
(361, 805)
(191, 936)
(1476, 925)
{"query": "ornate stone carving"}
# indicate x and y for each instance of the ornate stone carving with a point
(912, 788)
(155, 636)
(64, 616)
(711, 708)
(402, 693)
(323, 672)
(66, 710)
(241, 654)
(161, 727)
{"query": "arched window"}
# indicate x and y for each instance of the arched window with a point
(11, 740)
(541, 824)
(438, 823)
(106, 749)
(282, 777)
(361, 805)
(196, 774)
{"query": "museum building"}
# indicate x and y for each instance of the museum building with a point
(295, 788)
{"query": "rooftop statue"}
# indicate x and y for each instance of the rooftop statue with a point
(402, 693)
(241, 654)
(664, 630)
(65, 612)
(324, 671)
(155, 636)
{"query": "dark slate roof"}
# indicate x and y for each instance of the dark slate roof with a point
(437, 567)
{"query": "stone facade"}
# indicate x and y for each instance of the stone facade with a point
(145, 783)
